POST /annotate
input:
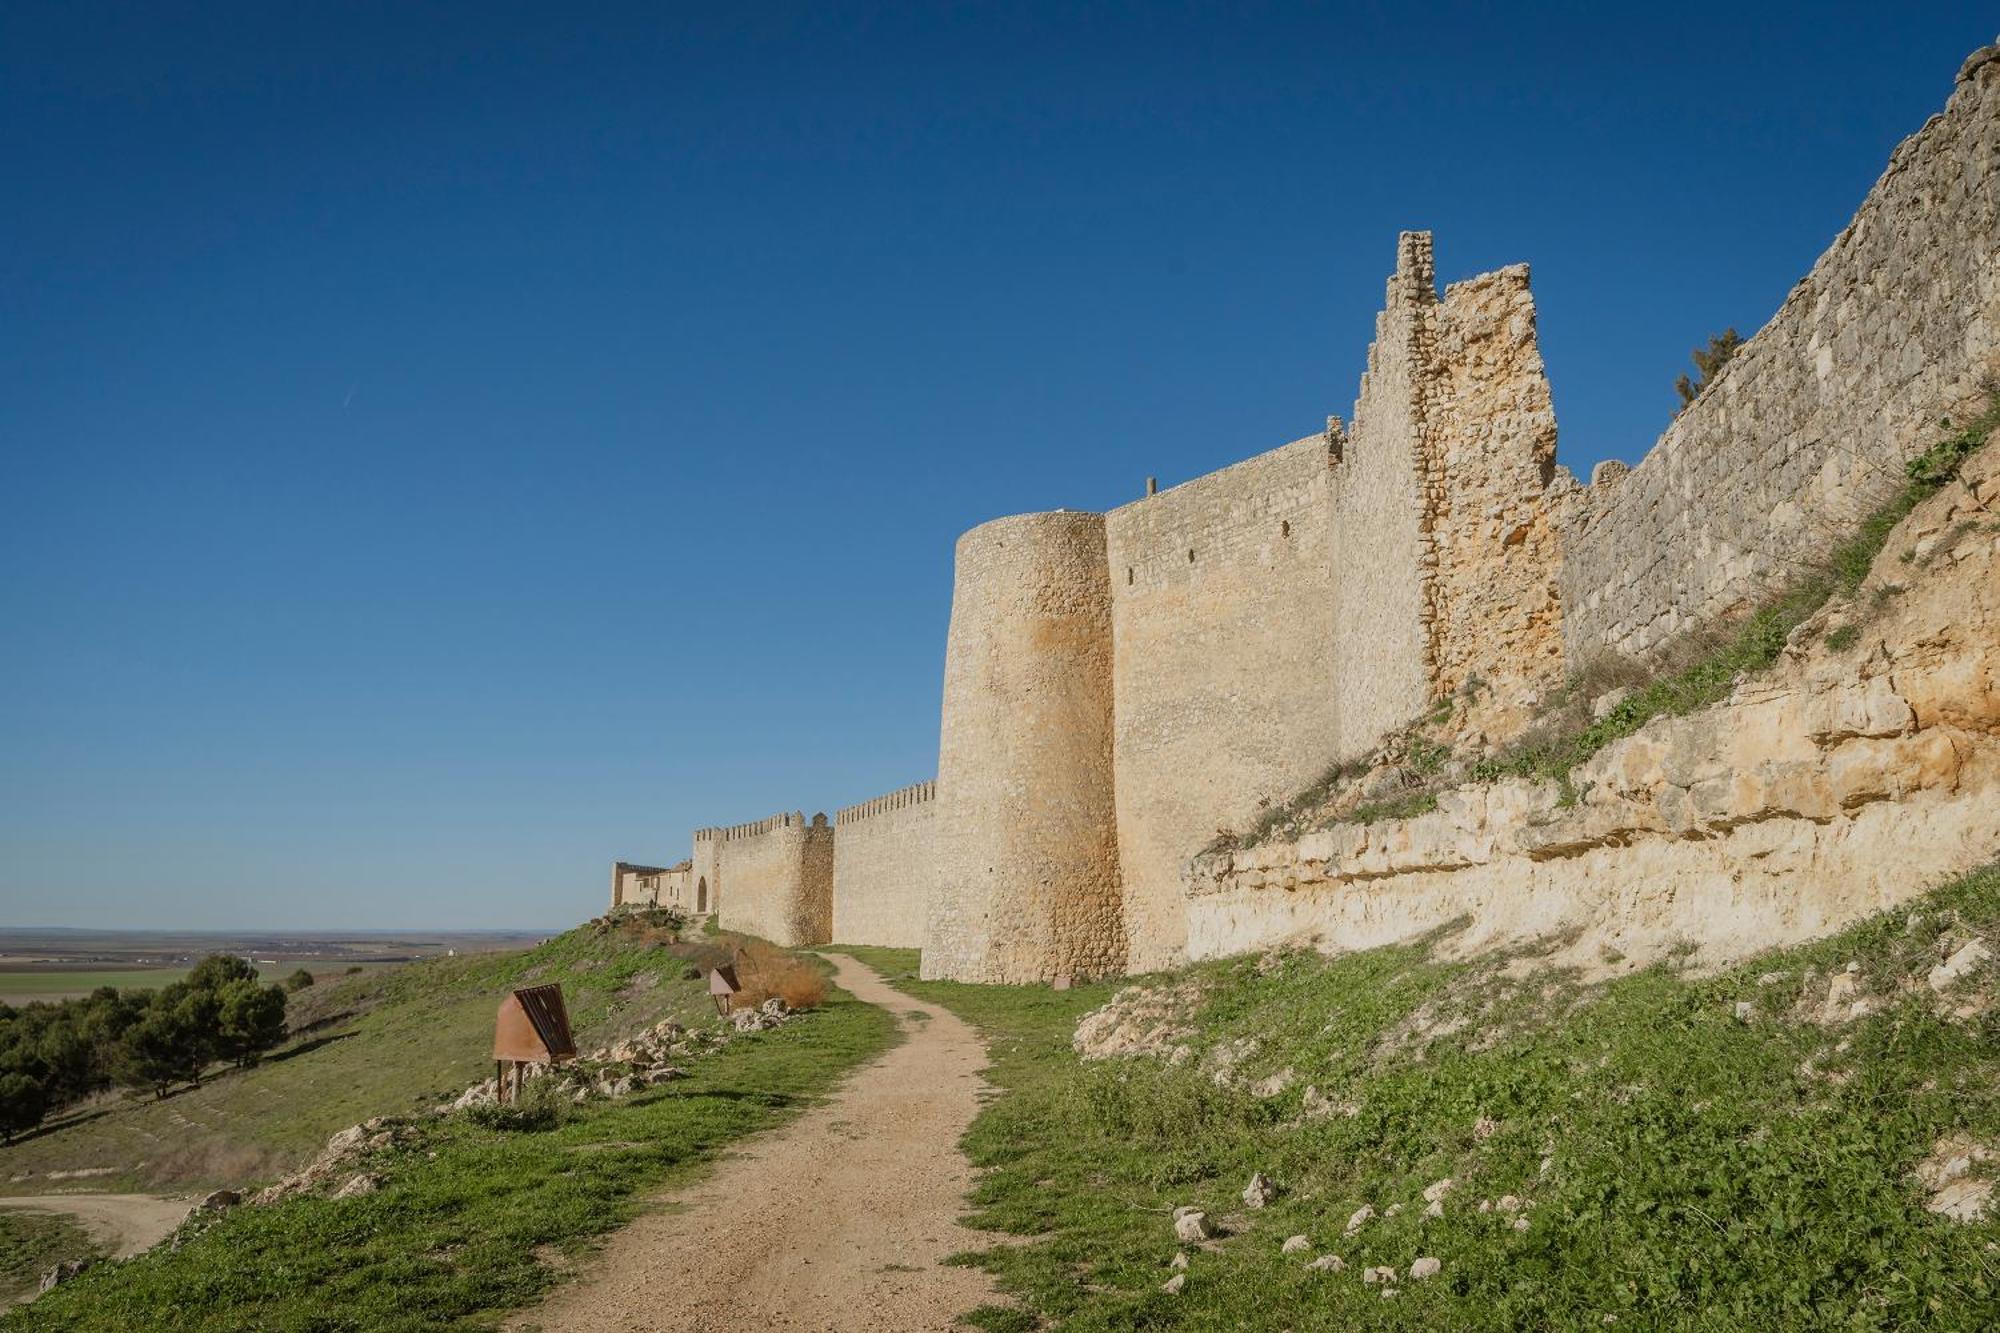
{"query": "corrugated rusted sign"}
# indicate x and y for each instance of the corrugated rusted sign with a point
(533, 1025)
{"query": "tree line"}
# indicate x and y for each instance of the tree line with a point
(54, 1055)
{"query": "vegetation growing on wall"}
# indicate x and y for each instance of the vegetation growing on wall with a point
(1721, 349)
(1404, 777)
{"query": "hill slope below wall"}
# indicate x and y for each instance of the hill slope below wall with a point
(1809, 1140)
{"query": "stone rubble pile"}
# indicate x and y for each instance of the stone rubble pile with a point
(647, 1060)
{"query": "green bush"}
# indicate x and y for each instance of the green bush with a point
(542, 1105)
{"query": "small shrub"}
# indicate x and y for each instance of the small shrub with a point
(1709, 360)
(768, 972)
(541, 1106)
(1843, 638)
(298, 981)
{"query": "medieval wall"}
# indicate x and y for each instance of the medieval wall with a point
(1844, 781)
(1809, 426)
(1381, 656)
(884, 867)
(1222, 613)
(779, 873)
(1027, 845)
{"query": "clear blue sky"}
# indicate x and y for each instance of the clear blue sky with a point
(446, 447)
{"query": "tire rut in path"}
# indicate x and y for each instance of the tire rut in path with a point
(835, 1221)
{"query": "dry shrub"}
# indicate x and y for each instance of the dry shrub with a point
(768, 972)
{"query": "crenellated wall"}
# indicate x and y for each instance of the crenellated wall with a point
(885, 867)
(1808, 427)
(779, 878)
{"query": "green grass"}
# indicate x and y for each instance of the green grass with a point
(1701, 1172)
(474, 1221)
(382, 1042)
(33, 1243)
(58, 983)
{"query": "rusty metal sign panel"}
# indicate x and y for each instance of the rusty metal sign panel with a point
(533, 1025)
(722, 981)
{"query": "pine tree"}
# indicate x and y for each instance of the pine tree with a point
(251, 1020)
(23, 1103)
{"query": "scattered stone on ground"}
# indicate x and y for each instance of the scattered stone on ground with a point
(1172, 1286)
(1360, 1218)
(1260, 1191)
(1328, 1263)
(1948, 1178)
(1191, 1226)
(1965, 960)
(1140, 1020)
(1180, 1259)
(1379, 1273)
(64, 1271)
(1425, 1268)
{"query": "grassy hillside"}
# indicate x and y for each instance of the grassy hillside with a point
(1679, 1166)
(474, 1219)
(33, 1243)
(377, 1042)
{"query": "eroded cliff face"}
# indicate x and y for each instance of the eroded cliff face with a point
(1861, 769)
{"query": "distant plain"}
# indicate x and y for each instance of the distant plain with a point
(42, 964)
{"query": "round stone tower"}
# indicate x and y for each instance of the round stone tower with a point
(1027, 849)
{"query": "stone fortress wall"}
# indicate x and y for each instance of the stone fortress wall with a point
(1026, 832)
(1121, 686)
(884, 865)
(1807, 428)
(774, 878)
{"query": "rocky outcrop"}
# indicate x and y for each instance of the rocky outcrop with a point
(1862, 768)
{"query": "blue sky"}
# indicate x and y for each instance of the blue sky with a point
(446, 447)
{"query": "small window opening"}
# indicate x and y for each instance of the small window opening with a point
(1128, 576)
(1190, 555)
(1285, 528)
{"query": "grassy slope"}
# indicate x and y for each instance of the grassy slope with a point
(1702, 1173)
(33, 1243)
(473, 1221)
(411, 1034)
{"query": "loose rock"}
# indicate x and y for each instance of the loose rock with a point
(1295, 1245)
(1260, 1191)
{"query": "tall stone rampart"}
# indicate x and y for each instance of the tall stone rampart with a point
(885, 867)
(1026, 827)
(1809, 426)
(1119, 687)
(1222, 618)
(779, 877)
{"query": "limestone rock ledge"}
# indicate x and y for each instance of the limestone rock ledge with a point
(1842, 781)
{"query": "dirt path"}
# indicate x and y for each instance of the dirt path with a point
(126, 1224)
(836, 1221)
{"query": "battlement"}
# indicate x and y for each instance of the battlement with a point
(901, 799)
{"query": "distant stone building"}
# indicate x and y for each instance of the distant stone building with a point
(656, 886)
